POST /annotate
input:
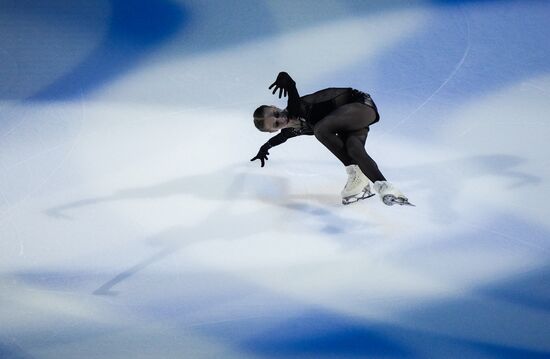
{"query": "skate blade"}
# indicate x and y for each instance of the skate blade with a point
(407, 203)
(390, 200)
(353, 199)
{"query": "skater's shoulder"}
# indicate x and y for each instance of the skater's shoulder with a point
(330, 89)
(325, 94)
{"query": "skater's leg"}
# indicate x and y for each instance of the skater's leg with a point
(340, 151)
(390, 195)
(355, 147)
(326, 131)
(351, 122)
(336, 144)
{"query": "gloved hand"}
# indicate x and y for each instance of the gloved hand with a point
(283, 84)
(262, 155)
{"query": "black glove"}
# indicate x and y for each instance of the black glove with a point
(283, 83)
(262, 154)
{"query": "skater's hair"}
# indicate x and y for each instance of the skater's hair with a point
(259, 118)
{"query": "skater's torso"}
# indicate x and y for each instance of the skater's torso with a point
(314, 107)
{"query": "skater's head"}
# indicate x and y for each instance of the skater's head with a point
(270, 118)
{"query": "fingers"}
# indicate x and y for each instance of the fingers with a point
(285, 93)
(259, 158)
(275, 90)
(280, 92)
(262, 159)
(273, 84)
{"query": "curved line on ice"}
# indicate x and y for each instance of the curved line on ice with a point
(449, 78)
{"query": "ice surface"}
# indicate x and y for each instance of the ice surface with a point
(133, 225)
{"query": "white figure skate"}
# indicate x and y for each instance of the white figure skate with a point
(390, 195)
(358, 186)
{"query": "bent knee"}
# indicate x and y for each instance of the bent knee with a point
(327, 126)
(320, 131)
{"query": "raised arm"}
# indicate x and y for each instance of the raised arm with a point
(287, 86)
(276, 140)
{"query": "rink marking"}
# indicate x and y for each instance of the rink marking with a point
(449, 78)
(10, 212)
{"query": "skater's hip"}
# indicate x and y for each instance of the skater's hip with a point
(316, 112)
(348, 118)
(364, 98)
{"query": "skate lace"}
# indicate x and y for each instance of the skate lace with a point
(352, 180)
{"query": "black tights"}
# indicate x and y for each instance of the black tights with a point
(344, 132)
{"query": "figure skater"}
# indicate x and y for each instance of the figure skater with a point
(340, 119)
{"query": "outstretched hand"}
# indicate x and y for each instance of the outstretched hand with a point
(262, 156)
(282, 83)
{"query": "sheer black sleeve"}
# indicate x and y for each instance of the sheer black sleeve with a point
(293, 105)
(281, 137)
(287, 86)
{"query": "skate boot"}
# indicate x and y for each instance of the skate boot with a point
(358, 186)
(390, 195)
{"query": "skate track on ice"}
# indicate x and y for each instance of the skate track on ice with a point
(132, 224)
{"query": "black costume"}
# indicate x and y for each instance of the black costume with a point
(310, 109)
(322, 114)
